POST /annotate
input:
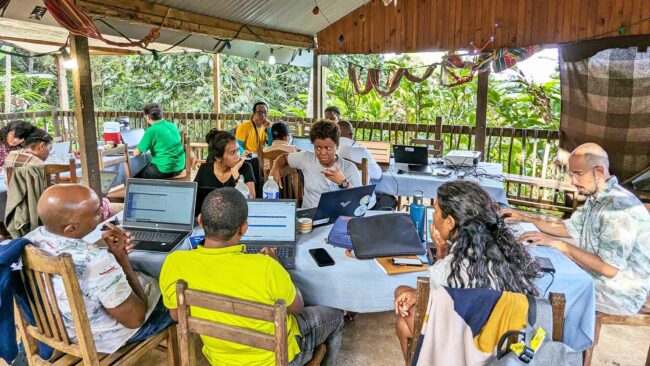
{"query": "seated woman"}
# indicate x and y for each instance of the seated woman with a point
(37, 149)
(252, 135)
(281, 141)
(163, 139)
(224, 165)
(323, 170)
(474, 249)
(12, 136)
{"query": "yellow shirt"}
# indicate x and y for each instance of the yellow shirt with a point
(230, 271)
(253, 138)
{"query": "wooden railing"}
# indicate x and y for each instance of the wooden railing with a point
(529, 152)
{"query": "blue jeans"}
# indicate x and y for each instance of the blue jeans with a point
(158, 320)
(318, 325)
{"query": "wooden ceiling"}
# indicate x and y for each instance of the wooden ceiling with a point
(443, 25)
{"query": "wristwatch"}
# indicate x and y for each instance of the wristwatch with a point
(345, 184)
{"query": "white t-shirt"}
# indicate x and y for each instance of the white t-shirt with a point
(353, 151)
(103, 285)
(315, 182)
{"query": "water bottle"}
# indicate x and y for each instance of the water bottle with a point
(242, 187)
(416, 209)
(271, 189)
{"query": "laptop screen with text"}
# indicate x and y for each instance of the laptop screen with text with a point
(156, 203)
(270, 221)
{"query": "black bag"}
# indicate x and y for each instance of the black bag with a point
(384, 236)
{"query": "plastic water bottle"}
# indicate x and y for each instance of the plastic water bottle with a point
(416, 209)
(242, 187)
(271, 189)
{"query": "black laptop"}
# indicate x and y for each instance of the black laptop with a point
(159, 213)
(351, 202)
(416, 157)
(272, 224)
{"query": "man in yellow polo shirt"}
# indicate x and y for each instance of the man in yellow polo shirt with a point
(252, 135)
(220, 265)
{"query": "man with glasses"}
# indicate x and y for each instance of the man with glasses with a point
(609, 236)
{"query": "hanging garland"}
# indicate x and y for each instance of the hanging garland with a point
(454, 70)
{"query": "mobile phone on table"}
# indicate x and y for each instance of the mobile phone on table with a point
(321, 257)
(407, 262)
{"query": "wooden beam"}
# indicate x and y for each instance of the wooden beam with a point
(141, 11)
(481, 112)
(94, 50)
(216, 82)
(62, 80)
(317, 88)
(7, 83)
(85, 114)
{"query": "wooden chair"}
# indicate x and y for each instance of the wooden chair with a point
(293, 187)
(379, 150)
(434, 147)
(187, 324)
(116, 156)
(423, 290)
(186, 173)
(269, 158)
(53, 173)
(38, 270)
(540, 193)
(198, 149)
(641, 319)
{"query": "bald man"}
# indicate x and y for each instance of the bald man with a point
(611, 231)
(117, 299)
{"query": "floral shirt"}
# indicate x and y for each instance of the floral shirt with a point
(103, 285)
(616, 227)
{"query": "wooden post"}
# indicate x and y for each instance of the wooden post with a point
(481, 112)
(85, 113)
(62, 80)
(317, 90)
(7, 83)
(216, 84)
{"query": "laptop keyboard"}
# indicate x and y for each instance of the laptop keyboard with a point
(283, 252)
(516, 229)
(157, 236)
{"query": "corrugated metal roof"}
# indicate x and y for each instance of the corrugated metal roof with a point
(283, 15)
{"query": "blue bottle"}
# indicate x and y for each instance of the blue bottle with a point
(417, 210)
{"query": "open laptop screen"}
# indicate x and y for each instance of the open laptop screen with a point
(303, 143)
(271, 221)
(162, 202)
(132, 137)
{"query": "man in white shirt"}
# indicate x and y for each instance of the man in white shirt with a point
(351, 150)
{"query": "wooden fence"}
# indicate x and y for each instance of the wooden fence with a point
(529, 152)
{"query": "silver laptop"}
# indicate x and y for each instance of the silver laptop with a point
(159, 213)
(272, 223)
(107, 179)
(132, 137)
(61, 148)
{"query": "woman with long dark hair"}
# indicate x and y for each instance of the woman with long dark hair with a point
(12, 136)
(474, 249)
(224, 165)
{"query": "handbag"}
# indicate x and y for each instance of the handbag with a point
(386, 235)
(339, 235)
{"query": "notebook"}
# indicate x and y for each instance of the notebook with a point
(386, 265)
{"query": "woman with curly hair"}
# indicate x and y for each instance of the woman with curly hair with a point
(474, 249)
(12, 136)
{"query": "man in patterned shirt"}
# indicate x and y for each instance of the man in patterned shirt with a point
(118, 300)
(611, 231)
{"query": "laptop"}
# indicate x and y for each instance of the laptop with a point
(132, 137)
(351, 202)
(60, 148)
(272, 223)
(417, 158)
(303, 143)
(159, 213)
(106, 178)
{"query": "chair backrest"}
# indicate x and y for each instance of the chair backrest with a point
(363, 168)
(38, 270)
(53, 173)
(269, 157)
(187, 324)
(115, 156)
(434, 147)
(557, 300)
(379, 150)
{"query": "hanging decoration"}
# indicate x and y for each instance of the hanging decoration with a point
(69, 16)
(393, 79)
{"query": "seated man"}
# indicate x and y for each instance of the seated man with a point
(332, 113)
(351, 150)
(221, 266)
(323, 169)
(611, 231)
(120, 303)
(37, 149)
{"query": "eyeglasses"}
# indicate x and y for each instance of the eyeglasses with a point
(579, 174)
(261, 112)
(320, 148)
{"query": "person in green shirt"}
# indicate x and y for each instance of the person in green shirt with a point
(163, 139)
(221, 265)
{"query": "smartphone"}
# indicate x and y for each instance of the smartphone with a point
(407, 262)
(321, 257)
(545, 265)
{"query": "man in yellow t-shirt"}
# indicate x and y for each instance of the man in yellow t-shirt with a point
(220, 265)
(252, 135)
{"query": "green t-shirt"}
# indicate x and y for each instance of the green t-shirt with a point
(164, 141)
